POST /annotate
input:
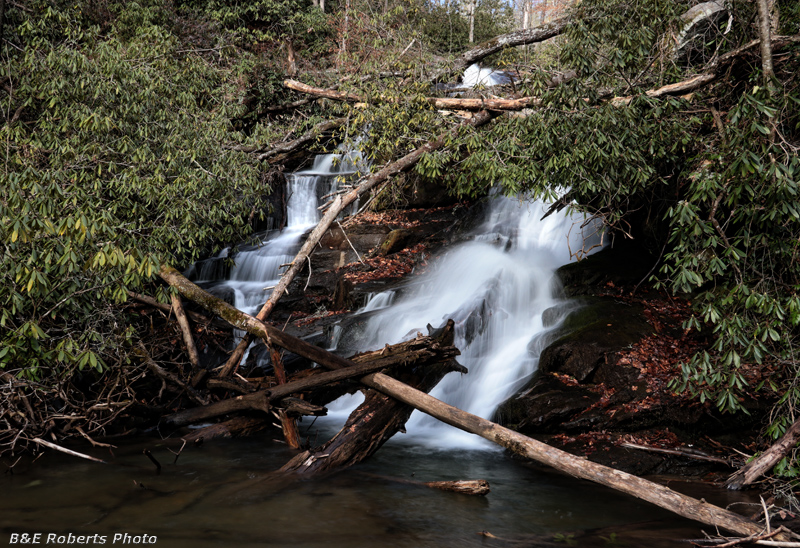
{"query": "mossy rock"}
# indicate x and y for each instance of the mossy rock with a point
(602, 326)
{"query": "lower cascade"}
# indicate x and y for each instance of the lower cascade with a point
(496, 288)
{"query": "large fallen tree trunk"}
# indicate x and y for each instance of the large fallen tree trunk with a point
(664, 497)
(339, 204)
(375, 421)
(659, 495)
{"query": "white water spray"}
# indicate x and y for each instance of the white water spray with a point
(495, 288)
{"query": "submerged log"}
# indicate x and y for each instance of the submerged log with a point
(465, 487)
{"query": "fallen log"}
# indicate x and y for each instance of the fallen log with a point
(420, 351)
(498, 43)
(374, 422)
(764, 462)
(649, 491)
(664, 497)
(478, 103)
(338, 205)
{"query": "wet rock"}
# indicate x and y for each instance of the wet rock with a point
(600, 327)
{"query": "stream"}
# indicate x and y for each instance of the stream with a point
(210, 498)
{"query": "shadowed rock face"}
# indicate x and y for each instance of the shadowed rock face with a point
(588, 393)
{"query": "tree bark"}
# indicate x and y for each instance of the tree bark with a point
(339, 204)
(765, 32)
(186, 331)
(764, 462)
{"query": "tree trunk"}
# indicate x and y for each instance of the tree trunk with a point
(339, 204)
(769, 458)
(471, 8)
(513, 39)
(764, 32)
(578, 467)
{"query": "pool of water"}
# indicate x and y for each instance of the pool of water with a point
(221, 494)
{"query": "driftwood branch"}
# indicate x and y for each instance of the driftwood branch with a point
(764, 462)
(338, 205)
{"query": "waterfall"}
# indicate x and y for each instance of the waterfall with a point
(257, 268)
(496, 288)
(475, 76)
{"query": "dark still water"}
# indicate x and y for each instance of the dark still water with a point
(213, 497)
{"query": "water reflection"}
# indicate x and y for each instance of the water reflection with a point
(192, 503)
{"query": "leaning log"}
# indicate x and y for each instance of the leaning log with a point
(339, 204)
(498, 43)
(664, 497)
(649, 491)
(764, 462)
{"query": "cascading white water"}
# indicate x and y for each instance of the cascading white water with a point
(495, 288)
(475, 76)
(258, 268)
